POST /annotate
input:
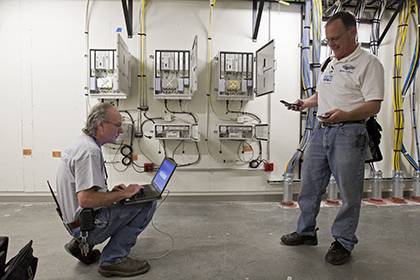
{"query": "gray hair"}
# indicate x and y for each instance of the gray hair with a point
(347, 19)
(97, 115)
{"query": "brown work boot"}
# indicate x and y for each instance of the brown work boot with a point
(126, 268)
(73, 249)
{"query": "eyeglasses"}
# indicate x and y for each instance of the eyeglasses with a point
(117, 125)
(327, 41)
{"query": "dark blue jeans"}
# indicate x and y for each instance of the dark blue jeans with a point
(122, 224)
(341, 150)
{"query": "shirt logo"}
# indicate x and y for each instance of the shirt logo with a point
(347, 68)
(327, 78)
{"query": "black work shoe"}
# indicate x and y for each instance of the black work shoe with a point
(73, 249)
(294, 239)
(128, 267)
(337, 254)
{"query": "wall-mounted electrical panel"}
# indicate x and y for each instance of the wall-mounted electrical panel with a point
(110, 72)
(243, 132)
(235, 75)
(177, 132)
(235, 131)
(176, 73)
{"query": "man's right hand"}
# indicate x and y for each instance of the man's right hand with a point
(132, 189)
(299, 105)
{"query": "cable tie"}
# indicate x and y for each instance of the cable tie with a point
(208, 38)
(402, 25)
(300, 150)
(304, 48)
(375, 20)
(398, 128)
(398, 54)
(397, 150)
(398, 110)
(397, 77)
(306, 27)
(141, 34)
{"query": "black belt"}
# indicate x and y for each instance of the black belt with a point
(327, 124)
(76, 223)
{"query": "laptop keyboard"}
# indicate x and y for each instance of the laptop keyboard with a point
(148, 191)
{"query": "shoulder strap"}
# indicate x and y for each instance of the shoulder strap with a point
(325, 64)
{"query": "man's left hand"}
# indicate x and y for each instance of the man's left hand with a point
(336, 116)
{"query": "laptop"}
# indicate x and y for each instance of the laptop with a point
(154, 190)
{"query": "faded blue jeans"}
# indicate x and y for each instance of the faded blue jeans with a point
(123, 223)
(341, 150)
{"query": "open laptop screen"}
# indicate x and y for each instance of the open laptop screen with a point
(163, 174)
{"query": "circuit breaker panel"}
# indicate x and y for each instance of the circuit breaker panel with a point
(177, 132)
(235, 72)
(110, 72)
(176, 73)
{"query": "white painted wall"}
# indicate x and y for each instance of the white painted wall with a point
(43, 77)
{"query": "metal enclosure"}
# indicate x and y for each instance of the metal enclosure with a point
(110, 71)
(175, 73)
(235, 72)
(265, 69)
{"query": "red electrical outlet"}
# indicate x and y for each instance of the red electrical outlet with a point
(148, 166)
(268, 166)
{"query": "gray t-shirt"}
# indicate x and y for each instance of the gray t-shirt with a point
(81, 168)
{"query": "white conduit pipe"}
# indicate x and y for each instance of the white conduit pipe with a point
(87, 87)
(209, 66)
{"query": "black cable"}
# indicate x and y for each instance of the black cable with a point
(194, 162)
(148, 119)
(181, 112)
(241, 112)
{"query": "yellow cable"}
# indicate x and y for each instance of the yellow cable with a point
(397, 100)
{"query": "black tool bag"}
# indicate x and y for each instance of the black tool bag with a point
(374, 131)
(21, 267)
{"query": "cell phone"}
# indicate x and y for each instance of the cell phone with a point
(323, 117)
(287, 103)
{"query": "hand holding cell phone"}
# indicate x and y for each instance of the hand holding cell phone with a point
(291, 106)
(323, 117)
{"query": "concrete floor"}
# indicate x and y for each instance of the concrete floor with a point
(230, 240)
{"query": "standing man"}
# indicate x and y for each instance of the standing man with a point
(350, 90)
(82, 183)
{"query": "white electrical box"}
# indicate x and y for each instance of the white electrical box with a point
(261, 132)
(177, 132)
(235, 72)
(176, 73)
(235, 131)
(243, 132)
(110, 72)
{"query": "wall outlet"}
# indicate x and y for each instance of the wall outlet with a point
(268, 166)
(148, 166)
